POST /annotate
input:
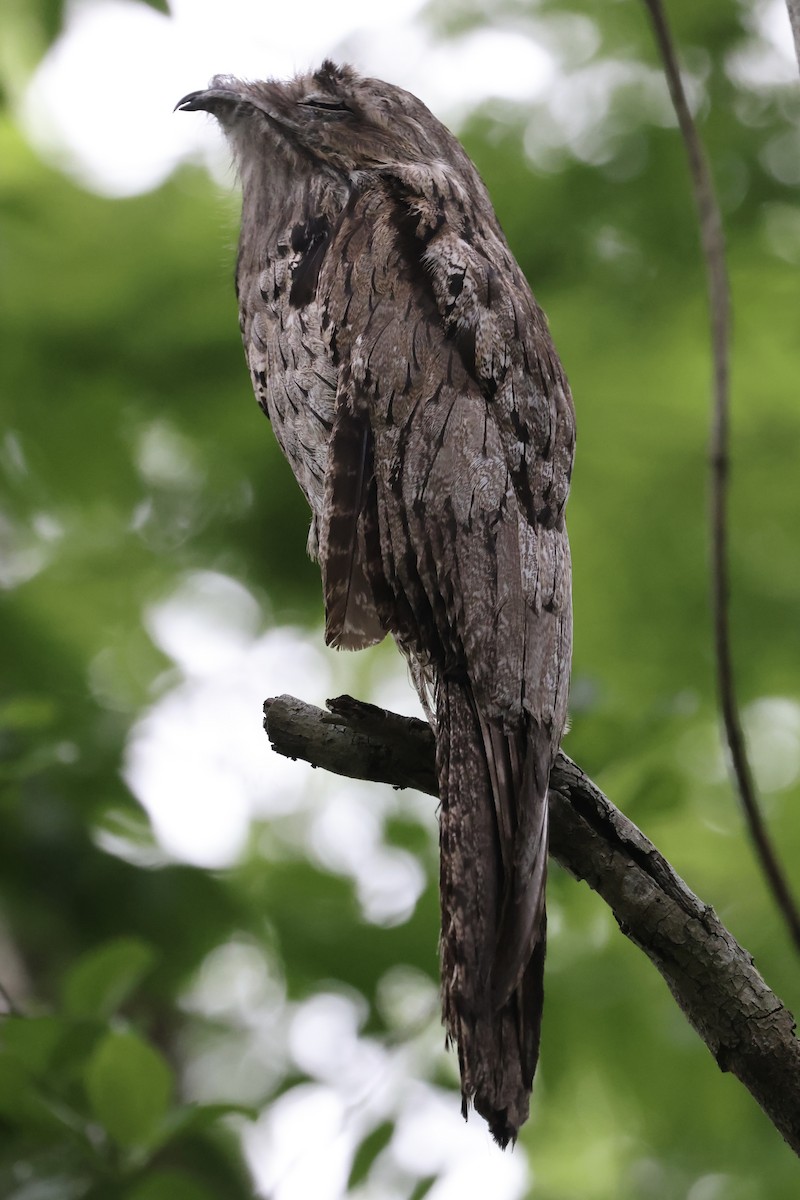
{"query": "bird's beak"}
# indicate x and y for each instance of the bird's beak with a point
(189, 102)
(207, 100)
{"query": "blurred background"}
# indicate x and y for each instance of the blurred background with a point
(219, 966)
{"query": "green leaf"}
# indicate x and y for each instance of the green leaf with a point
(102, 979)
(375, 1141)
(422, 1188)
(129, 1086)
(169, 1185)
(51, 13)
(20, 1103)
(159, 5)
(27, 713)
(32, 1040)
(196, 1118)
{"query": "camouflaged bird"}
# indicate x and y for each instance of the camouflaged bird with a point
(413, 386)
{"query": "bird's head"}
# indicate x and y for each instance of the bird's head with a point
(334, 117)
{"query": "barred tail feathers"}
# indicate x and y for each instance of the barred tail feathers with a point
(493, 932)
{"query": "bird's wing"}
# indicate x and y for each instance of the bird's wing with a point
(444, 353)
(352, 576)
(455, 419)
(487, 312)
(405, 397)
(486, 307)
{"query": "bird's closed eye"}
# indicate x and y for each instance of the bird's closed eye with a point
(325, 104)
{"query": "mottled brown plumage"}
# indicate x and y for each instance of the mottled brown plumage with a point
(412, 384)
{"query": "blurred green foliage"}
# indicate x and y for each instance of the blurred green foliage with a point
(132, 453)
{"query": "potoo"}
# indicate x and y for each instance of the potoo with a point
(412, 384)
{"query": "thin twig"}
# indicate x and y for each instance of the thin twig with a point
(794, 20)
(713, 247)
(11, 1008)
(744, 1024)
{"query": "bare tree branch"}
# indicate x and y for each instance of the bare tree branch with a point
(744, 1024)
(794, 19)
(713, 247)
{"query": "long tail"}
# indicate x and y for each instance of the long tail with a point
(493, 840)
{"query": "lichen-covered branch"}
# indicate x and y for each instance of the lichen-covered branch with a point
(744, 1024)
